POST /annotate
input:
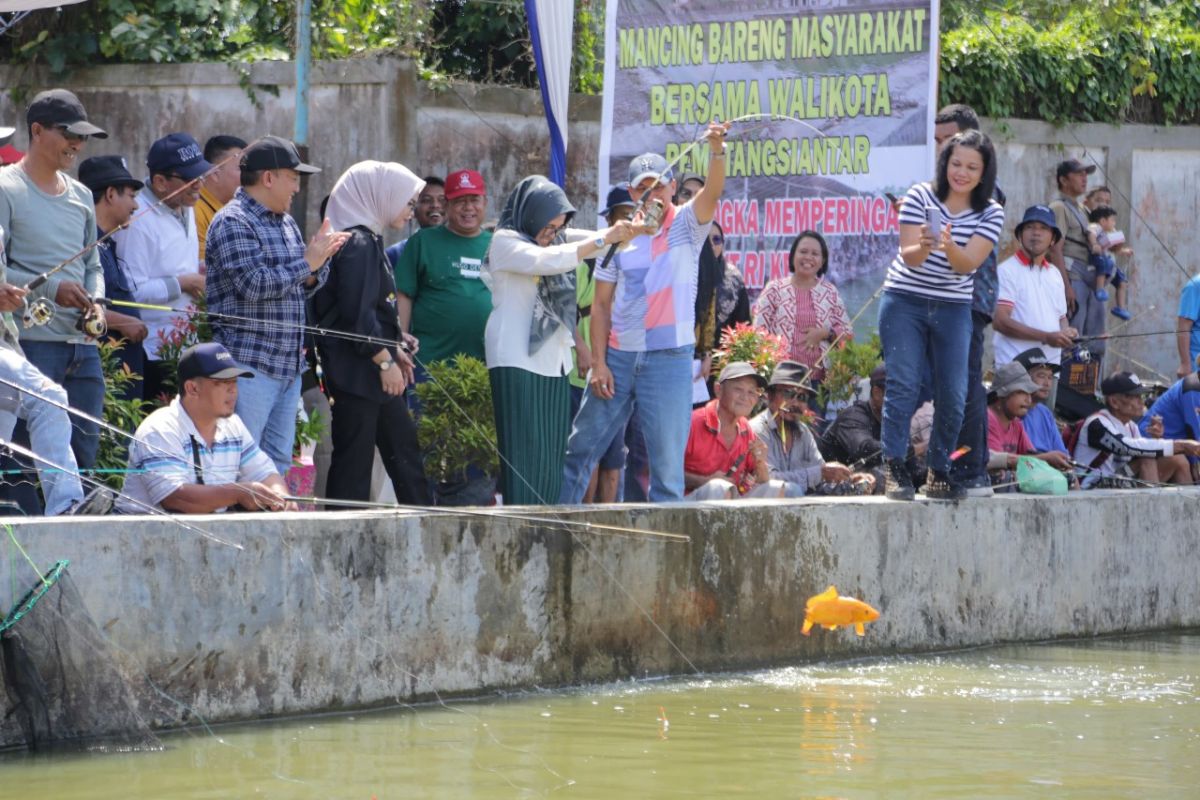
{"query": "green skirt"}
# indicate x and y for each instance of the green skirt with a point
(533, 420)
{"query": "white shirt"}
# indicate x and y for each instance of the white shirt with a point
(162, 460)
(513, 267)
(156, 249)
(1037, 299)
(1102, 433)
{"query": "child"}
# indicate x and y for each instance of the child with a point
(1105, 239)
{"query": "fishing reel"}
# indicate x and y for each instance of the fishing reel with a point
(37, 313)
(92, 323)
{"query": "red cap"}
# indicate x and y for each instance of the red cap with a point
(463, 183)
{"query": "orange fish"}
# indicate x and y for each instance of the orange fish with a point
(829, 610)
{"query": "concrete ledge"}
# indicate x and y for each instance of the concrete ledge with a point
(338, 611)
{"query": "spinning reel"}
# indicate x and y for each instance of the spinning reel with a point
(41, 311)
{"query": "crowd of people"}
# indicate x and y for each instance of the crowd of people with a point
(599, 344)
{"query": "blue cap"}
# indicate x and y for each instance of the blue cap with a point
(617, 196)
(177, 153)
(1041, 214)
(648, 165)
(209, 360)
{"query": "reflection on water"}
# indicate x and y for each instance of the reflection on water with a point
(1110, 718)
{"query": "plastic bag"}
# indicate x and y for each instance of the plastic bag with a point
(1035, 476)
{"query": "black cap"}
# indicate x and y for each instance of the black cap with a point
(274, 152)
(209, 360)
(1123, 383)
(1036, 357)
(1072, 165)
(790, 373)
(100, 172)
(179, 154)
(741, 369)
(617, 196)
(60, 107)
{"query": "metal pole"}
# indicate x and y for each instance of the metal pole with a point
(300, 135)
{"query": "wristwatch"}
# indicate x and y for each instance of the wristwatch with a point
(599, 243)
(385, 365)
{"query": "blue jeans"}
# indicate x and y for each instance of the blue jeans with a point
(76, 368)
(975, 419)
(268, 408)
(49, 428)
(659, 384)
(916, 330)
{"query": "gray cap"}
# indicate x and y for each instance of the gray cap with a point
(790, 373)
(1012, 377)
(741, 369)
(648, 165)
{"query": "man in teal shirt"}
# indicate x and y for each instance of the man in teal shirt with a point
(441, 299)
(1188, 336)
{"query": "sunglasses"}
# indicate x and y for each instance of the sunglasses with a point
(794, 394)
(71, 137)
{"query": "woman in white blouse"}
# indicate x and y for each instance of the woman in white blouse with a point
(530, 269)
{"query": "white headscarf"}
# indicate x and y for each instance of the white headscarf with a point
(372, 194)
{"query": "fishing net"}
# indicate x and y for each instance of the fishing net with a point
(64, 688)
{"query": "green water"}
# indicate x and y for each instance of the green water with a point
(1103, 719)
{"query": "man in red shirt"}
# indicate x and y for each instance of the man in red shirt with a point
(1008, 402)
(723, 459)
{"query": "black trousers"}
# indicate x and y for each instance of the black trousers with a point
(361, 425)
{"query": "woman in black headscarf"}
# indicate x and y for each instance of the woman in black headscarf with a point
(530, 269)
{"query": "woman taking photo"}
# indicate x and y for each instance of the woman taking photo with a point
(733, 303)
(366, 380)
(946, 232)
(805, 310)
(530, 269)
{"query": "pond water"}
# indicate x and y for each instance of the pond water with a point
(1110, 718)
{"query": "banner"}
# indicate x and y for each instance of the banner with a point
(832, 103)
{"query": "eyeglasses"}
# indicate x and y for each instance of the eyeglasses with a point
(553, 230)
(717, 239)
(793, 394)
(71, 137)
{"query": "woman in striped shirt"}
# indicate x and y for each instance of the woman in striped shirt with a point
(925, 313)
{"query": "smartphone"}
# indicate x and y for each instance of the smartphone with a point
(933, 216)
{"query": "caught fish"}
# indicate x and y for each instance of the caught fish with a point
(829, 610)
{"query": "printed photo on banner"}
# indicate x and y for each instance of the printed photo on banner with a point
(832, 107)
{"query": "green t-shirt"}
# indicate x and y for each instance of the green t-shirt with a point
(585, 290)
(439, 270)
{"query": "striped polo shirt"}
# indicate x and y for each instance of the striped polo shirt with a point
(654, 306)
(935, 278)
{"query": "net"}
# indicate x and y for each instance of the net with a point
(64, 688)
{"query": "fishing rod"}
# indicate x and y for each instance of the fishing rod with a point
(457, 510)
(258, 497)
(96, 483)
(41, 310)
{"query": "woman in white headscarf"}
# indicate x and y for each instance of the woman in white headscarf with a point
(365, 380)
(530, 269)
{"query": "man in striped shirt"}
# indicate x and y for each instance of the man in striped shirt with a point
(643, 331)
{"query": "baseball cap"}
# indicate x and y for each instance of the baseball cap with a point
(6, 135)
(1036, 357)
(60, 107)
(648, 165)
(274, 152)
(790, 373)
(1012, 377)
(209, 360)
(464, 182)
(100, 172)
(618, 196)
(1073, 165)
(1123, 383)
(741, 369)
(177, 153)
(1041, 214)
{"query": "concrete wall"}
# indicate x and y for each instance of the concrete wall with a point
(378, 108)
(338, 611)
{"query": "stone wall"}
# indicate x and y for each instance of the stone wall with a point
(349, 610)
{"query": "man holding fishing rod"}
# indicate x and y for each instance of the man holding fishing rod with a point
(643, 329)
(47, 217)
